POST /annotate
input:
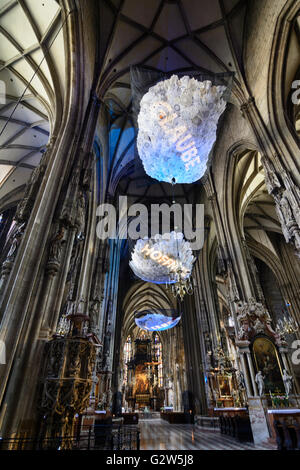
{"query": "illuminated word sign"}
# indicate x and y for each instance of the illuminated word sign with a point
(184, 143)
(162, 259)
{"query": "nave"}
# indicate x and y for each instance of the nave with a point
(149, 224)
(156, 434)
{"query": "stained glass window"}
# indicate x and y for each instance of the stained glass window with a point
(127, 356)
(157, 353)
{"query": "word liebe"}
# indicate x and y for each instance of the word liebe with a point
(184, 143)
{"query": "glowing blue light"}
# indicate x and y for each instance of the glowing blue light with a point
(177, 125)
(156, 322)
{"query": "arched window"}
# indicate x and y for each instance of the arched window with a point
(127, 356)
(157, 353)
(127, 350)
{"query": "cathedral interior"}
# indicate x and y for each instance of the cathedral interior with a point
(199, 346)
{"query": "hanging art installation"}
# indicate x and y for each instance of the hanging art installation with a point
(155, 259)
(177, 125)
(156, 321)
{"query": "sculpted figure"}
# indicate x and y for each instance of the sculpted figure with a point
(259, 379)
(56, 245)
(81, 215)
(241, 380)
(271, 178)
(16, 242)
(243, 333)
(233, 290)
(93, 313)
(258, 326)
(286, 209)
(288, 382)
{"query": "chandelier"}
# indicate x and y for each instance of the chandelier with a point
(286, 326)
(178, 286)
(177, 126)
(163, 259)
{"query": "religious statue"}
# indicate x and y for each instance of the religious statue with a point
(241, 380)
(208, 359)
(22, 209)
(85, 328)
(56, 245)
(259, 379)
(25, 206)
(95, 381)
(288, 382)
(81, 305)
(221, 263)
(109, 398)
(16, 242)
(108, 329)
(93, 313)
(81, 215)
(258, 326)
(243, 332)
(286, 209)
(232, 286)
(102, 401)
(285, 214)
(107, 361)
(271, 179)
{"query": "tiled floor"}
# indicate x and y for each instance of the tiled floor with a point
(157, 434)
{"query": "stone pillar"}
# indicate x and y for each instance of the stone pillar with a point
(252, 373)
(22, 297)
(245, 371)
(258, 419)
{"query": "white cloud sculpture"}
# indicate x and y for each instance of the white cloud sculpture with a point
(153, 259)
(156, 322)
(177, 126)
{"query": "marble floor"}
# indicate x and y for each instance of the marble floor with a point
(157, 434)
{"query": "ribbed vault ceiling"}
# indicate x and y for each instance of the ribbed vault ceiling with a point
(167, 36)
(255, 208)
(143, 296)
(32, 68)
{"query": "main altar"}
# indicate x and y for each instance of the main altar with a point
(143, 390)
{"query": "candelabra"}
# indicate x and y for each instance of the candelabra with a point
(181, 286)
(286, 326)
(63, 327)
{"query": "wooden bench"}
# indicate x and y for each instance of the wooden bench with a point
(235, 422)
(130, 418)
(177, 417)
(285, 427)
